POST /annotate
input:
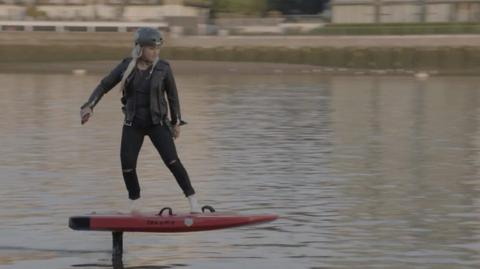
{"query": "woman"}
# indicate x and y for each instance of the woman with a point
(144, 81)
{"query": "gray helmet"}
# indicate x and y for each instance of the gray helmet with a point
(147, 36)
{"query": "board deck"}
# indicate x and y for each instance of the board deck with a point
(166, 223)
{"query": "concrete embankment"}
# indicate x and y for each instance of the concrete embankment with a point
(441, 54)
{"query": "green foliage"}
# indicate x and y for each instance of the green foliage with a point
(263, 7)
(33, 12)
(244, 7)
(398, 29)
(298, 6)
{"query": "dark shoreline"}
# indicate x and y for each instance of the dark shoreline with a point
(441, 60)
(185, 67)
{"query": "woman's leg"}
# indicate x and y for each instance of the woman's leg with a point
(163, 141)
(132, 140)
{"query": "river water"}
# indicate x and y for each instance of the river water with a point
(365, 172)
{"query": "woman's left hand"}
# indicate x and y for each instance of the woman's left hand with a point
(176, 131)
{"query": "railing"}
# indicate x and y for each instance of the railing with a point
(81, 2)
(78, 26)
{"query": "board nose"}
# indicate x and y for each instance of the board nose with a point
(79, 223)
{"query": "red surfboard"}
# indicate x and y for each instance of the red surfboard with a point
(165, 223)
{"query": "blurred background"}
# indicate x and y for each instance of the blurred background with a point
(356, 121)
(393, 36)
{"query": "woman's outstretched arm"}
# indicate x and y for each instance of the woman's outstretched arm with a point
(105, 85)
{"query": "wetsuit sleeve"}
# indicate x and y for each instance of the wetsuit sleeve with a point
(172, 96)
(106, 84)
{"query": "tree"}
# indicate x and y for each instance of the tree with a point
(243, 7)
(297, 6)
(261, 7)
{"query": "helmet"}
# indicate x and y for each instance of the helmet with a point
(148, 36)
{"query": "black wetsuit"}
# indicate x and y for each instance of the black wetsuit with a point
(160, 134)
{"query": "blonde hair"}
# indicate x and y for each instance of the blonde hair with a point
(137, 52)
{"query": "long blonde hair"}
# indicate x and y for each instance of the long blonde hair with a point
(136, 54)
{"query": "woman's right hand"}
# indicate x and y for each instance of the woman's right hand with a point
(85, 114)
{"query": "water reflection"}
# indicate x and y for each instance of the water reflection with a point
(365, 172)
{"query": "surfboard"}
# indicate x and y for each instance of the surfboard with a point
(165, 222)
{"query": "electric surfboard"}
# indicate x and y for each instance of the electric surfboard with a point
(165, 221)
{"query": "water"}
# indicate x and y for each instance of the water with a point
(365, 172)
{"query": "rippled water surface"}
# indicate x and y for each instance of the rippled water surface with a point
(365, 172)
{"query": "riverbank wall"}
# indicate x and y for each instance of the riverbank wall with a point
(436, 54)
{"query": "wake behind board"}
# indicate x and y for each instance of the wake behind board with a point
(165, 223)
